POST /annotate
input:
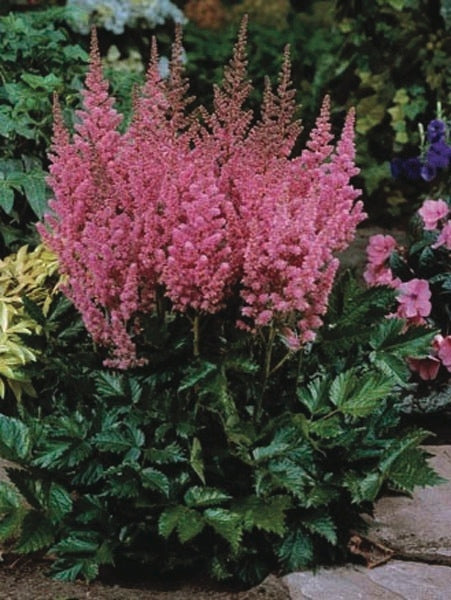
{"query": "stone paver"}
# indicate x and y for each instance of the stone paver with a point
(397, 580)
(419, 527)
(416, 528)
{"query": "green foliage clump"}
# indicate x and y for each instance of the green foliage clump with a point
(393, 65)
(40, 56)
(38, 59)
(237, 462)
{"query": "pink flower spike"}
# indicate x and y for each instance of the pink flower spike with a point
(444, 239)
(414, 299)
(444, 352)
(427, 368)
(379, 248)
(290, 339)
(432, 211)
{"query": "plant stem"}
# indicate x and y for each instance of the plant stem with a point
(159, 300)
(196, 322)
(280, 363)
(266, 374)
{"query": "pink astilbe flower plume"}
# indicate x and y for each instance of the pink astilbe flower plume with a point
(230, 121)
(207, 211)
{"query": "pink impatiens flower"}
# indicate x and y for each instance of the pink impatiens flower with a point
(444, 351)
(444, 239)
(380, 275)
(427, 368)
(379, 248)
(414, 299)
(432, 211)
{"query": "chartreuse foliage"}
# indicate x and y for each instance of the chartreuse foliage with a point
(205, 463)
(24, 276)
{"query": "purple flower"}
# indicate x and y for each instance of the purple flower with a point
(438, 155)
(436, 131)
(428, 172)
(396, 167)
(410, 168)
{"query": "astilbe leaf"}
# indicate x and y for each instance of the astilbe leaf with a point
(296, 550)
(266, 514)
(154, 479)
(391, 336)
(227, 524)
(199, 496)
(15, 442)
(186, 521)
(411, 469)
(170, 454)
(12, 511)
(109, 385)
(321, 524)
(37, 532)
(76, 543)
(59, 503)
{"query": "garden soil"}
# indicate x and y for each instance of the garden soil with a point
(26, 580)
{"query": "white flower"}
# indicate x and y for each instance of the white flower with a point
(114, 15)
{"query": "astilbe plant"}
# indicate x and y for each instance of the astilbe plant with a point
(206, 209)
(244, 446)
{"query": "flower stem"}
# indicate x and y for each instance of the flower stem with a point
(196, 322)
(266, 374)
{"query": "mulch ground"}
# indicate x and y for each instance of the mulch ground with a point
(26, 580)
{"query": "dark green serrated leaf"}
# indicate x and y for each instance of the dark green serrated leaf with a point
(227, 524)
(321, 524)
(59, 502)
(296, 550)
(327, 428)
(156, 480)
(196, 461)
(411, 469)
(76, 544)
(15, 440)
(186, 521)
(315, 396)
(109, 385)
(34, 310)
(198, 497)
(196, 374)
(37, 533)
(265, 514)
(172, 453)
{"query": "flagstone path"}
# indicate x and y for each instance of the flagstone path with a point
(418, 529)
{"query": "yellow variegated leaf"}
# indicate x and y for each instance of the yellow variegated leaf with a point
(22, 353)
(29, 389)
(33, 274)
(16, 388)
(6, 370)
(4, 316)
